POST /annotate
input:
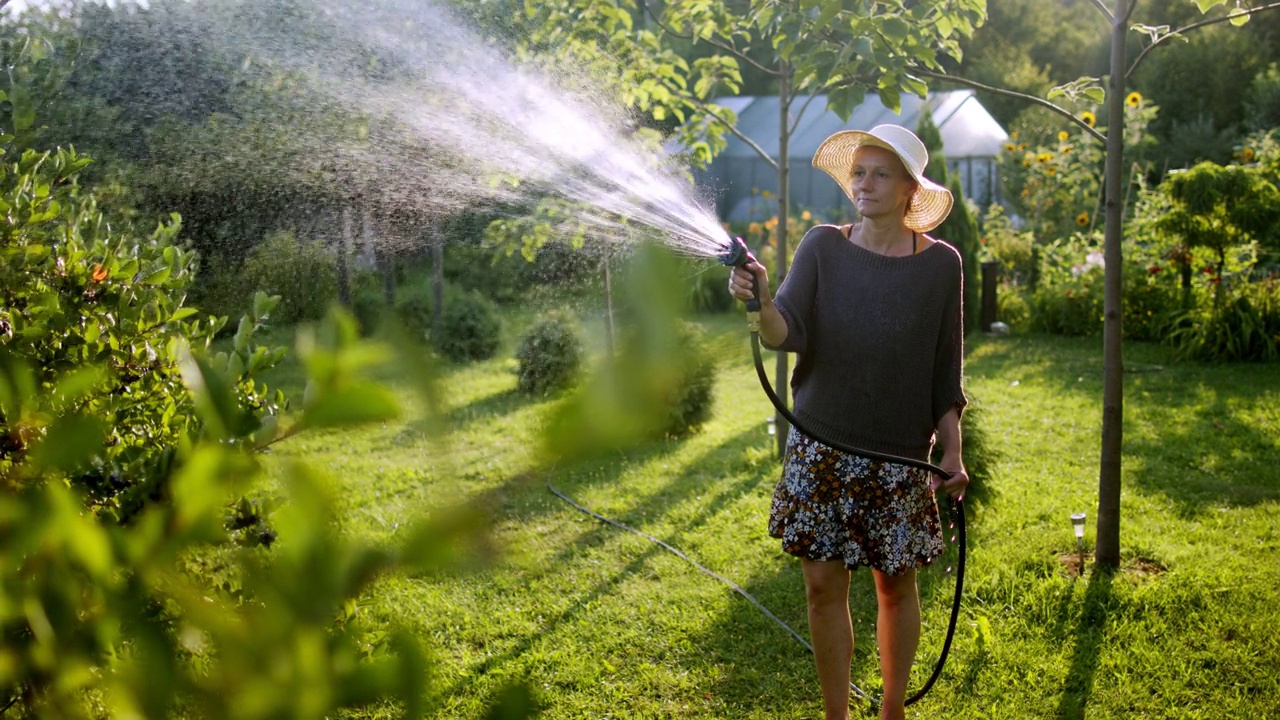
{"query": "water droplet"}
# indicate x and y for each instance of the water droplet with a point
(948, 569)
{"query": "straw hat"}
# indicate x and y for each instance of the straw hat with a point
(931, 202)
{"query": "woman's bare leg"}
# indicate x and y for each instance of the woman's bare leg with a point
(898, 633)
(827, 590)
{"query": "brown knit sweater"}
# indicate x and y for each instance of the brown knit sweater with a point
(880, 341)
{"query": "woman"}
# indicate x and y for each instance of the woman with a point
(873, 310)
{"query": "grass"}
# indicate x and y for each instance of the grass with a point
(601, 623)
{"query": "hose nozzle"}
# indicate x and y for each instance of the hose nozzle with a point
(736, 254)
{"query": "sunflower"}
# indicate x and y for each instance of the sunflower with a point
(1044, 157)
(1009, 147)
(1082, 219)
(1246, 154)
(1063, 135)
(1089, 118)
(1134, 99)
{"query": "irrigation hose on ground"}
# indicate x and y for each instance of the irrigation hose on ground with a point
(735, 255)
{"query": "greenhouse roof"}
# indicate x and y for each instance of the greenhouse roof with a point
(967, 129)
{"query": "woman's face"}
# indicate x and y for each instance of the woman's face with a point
(881, 184)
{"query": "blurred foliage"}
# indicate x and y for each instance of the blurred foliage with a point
(659, 383)
(105, 618)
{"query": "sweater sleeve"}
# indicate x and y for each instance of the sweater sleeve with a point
(795, 297)
(948, 391)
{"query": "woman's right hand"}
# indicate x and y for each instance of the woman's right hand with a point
(741, 280)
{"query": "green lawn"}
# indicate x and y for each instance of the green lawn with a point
(601, 623)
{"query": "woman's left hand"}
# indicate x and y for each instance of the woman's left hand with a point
(956, 482)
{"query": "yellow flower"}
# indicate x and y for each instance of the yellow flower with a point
(1246, 154)
(1051, 170)
(1063, 135)
(1009, 147)
(1044, 157)
(1134, 99)
(753, 228)
(1089, 118)
(1014, 134)
(1082, 219)
(806, 216)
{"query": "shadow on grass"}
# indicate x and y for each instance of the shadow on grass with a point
(1195, 433)
(1090, 631)
(1207, 447)
(654, 507)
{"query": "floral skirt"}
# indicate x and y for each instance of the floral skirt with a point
(830, 505)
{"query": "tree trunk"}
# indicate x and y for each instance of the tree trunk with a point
(437, 283)
(608, 307)
(781, 380)
(345, 243)
(1107, 551)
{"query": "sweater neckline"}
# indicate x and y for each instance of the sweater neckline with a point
(876, 260)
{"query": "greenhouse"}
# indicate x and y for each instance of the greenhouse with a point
(738, 178)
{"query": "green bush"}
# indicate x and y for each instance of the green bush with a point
(1003, 244)
(1240, 325)
(1012, 308)
(1152, 301)
(550, 356)
(368, 301)
(708, 288)
(470, 328)
(690, 387)
(413, 306)
(78, 290)
(301, 273)
(1069, 308)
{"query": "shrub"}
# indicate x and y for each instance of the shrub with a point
(550, 356)
(689, 390)
(1012, 308)
(1152, 301)
(368, 302)
(78, 290)
(413, 309)
(1241, 325)
(1070, 308)
(708, 289)
(469, 327)
(1009, 247)
(301, 273)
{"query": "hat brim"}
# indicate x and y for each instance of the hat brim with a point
(929, 206)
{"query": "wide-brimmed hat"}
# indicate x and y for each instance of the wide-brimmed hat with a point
(931, 202)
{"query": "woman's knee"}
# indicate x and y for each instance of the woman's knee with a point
(895, 590)
(826, 584)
